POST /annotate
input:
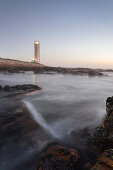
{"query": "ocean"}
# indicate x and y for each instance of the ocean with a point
(66, 103)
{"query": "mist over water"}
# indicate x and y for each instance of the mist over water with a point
(39, 119)
(71, 102)
(66, 103)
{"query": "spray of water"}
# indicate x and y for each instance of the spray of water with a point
(39, 119)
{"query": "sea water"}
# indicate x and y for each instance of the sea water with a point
(66, 103)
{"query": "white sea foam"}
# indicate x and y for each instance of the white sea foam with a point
(39, 118)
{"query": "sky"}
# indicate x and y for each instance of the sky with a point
(72, 33)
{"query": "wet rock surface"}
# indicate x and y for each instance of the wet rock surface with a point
(105, 161)
(103, 140)
(24, 87)
(81, 141)
(59, 154)
(103, 135)
(58, 158)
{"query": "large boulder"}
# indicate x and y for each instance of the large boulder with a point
(103, 139)
(105, 161)
(103, 135)
(58, 158)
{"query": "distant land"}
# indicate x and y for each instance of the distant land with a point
(15, 66)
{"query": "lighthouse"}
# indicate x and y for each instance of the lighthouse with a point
(36, 51)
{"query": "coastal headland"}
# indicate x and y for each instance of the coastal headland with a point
(15, 66)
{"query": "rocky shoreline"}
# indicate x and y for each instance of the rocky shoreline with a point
(15, 66)
(95, 149)
(94, 152)
(103, 139)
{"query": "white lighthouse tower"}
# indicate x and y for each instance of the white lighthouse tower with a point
(36, 51)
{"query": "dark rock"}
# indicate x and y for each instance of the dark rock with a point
(58, 158)
(98, 131)
(100, 74)
(103, 140)
(105, 161)
(103, 135)
(81, 140)
(0, 87)
(13, 71)
(6, 88)
(25, 87)
(94, 73)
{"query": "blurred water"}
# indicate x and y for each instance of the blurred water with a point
(39, 119)
(67, 102)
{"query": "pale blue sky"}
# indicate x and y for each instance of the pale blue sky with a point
(71, 32)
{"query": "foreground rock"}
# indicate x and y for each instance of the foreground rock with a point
(58, 158)
(24, 87)
(103, 135)
(103, 140)
(105, 161)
